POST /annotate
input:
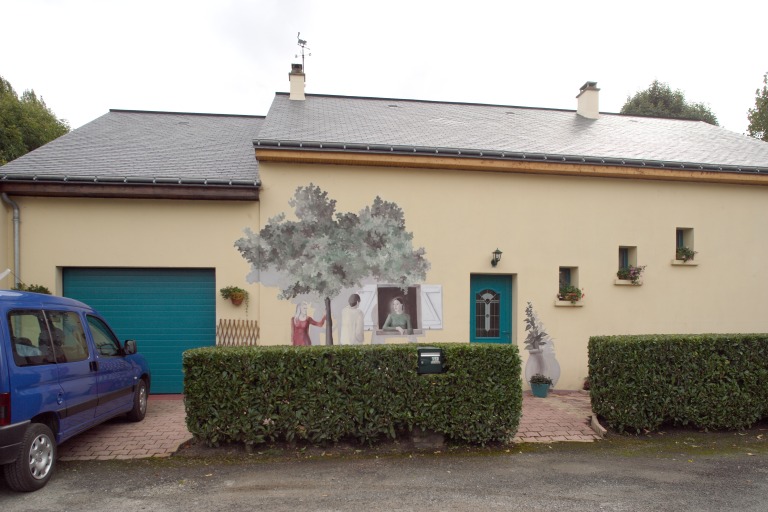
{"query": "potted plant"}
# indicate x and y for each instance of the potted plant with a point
(570, 293)
(631, 273)
(685, 253)
(540, 384)
(234, 294)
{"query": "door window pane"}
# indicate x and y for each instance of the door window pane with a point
(487, 314)
(68, 336)
(29, 338)
(106, 342)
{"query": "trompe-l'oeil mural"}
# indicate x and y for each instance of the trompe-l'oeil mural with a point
(326, 254)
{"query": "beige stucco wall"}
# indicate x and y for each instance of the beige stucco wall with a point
(544, 222)
(64, 232)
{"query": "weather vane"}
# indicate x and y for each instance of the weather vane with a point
(303, 44)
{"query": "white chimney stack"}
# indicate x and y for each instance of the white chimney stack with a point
(589, 101)
(297, 79)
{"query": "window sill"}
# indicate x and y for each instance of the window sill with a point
(568, 304)
(393, 333)
(626, 282)
(681, 263)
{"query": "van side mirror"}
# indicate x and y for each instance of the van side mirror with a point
(130, 347)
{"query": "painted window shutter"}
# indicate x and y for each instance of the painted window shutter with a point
(431, 306)
(368, 305)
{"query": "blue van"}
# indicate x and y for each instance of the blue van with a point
(62, 371)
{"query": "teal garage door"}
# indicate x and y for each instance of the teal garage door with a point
(166, 311)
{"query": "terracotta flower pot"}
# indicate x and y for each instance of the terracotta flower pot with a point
(237, 298)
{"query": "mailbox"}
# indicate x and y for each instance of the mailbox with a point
(431, 360)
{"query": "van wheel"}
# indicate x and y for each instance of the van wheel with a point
(36, 461)
(139, 402)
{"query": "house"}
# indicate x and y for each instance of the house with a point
(136, 213)
(453, 217)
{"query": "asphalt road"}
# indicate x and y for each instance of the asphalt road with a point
(669, 472)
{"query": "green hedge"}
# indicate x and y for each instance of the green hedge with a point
(320, 394)
(712, 381)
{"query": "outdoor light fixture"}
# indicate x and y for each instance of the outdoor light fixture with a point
(496, 257)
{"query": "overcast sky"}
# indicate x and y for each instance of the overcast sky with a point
(230, 56)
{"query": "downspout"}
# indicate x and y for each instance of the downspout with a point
(16, 250)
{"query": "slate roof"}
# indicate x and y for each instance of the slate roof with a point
(139, 147)
(497, 131)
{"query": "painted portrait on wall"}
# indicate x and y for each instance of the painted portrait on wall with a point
(398, 312)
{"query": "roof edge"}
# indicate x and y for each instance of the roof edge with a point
(484, 164)
(502, 155)
(57, 186)
(209, 114)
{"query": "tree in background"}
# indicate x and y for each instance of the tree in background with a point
(658, 100)
(324, 252)
(26, 123)
(758, 116)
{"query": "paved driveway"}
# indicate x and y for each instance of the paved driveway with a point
(562, 416)
(162, 432)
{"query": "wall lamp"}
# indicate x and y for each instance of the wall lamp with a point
(496, 257)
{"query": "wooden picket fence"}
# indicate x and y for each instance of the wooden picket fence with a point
(232, 332)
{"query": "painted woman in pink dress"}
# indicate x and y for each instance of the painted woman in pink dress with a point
(300, 323)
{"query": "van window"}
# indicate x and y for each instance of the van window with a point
(29, 338)
(106, 342)
(68, 336)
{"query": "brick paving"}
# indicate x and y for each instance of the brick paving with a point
(562, 416)
(162, 432)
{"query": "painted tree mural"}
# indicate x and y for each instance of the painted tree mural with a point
(324, 252)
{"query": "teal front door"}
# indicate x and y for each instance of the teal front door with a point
(490, 305)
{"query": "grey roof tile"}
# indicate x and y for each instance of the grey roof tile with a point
(343, 119)
(136, 144)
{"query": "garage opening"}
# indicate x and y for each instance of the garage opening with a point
(166, 311)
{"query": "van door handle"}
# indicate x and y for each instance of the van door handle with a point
(94, 366)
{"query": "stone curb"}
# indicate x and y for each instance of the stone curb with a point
(597, 427)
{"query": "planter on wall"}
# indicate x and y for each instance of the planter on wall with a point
(627, 282)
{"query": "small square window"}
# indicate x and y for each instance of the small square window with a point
(627, 257)
(684, 244)
(568, 285)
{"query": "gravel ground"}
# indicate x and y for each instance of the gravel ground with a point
(678, 470)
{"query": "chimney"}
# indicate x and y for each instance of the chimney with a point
(297, 79)
(589, 101)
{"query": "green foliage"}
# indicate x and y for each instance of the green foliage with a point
(659, 100)
(322, 395)
(570, 293)
(26, 123)
(539, 378)
(631, 273)
(35, 288)
(711, 381)
(758, 116)
(230, 291)
(685, 253)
